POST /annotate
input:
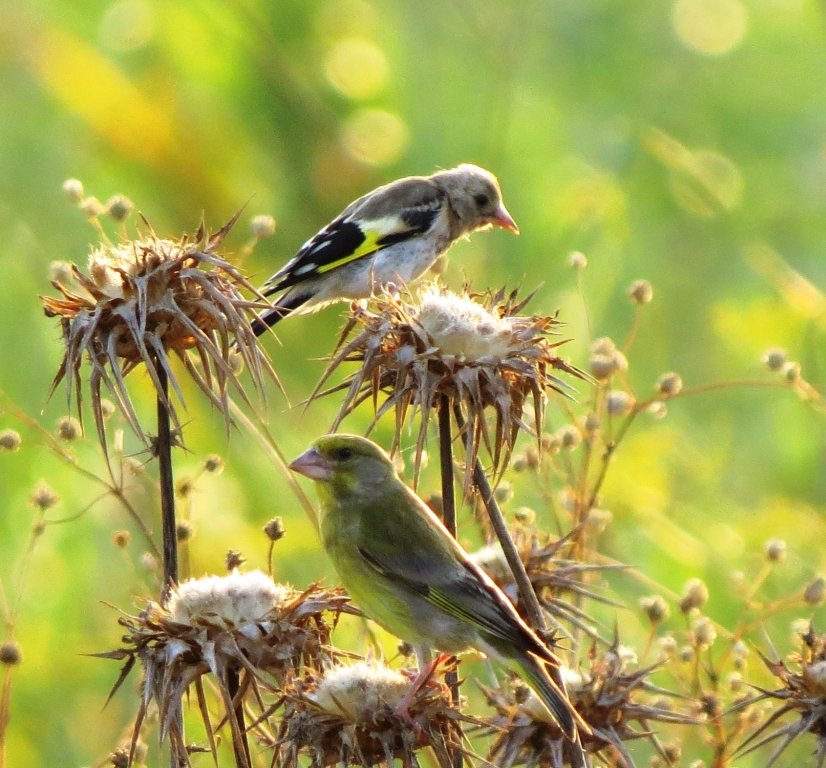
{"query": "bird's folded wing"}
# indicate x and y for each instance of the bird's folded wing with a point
(352, 237)
(465, 595)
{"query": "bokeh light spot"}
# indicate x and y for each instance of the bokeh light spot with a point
(357, 68)
(374, 136)
(127, 25)
(712, 27)
(709, 183)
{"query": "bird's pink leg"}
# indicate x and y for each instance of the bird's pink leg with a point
(425, 671)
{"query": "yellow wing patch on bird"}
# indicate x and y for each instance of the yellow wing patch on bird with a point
(374, 232)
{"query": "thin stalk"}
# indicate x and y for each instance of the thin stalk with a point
(449, 519)
(530, 601)
(164, 452)
(168, 525)
(242, 751)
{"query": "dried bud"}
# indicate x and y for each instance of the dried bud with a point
(503, 492)
(107, 408)
(532, 457)
(262, 226)
(735, 682)
(602, 366)
(704, 632)
(668, 644)
(149, 562)
(656, 608)
(119, 207)
(120, 758)
(38, 528)
(687, 654)
(61, 272)
(711, 705)
(641, 292)
(214, 464)
(658, 409)
(619, 403)
(669, 384)
(569, 437)
(815, 592)
(775, 359)
(184, 530)
(274, 529)
(406, 650)
(73, 189)
(791, 372)
(603, 346)
(776, 550)
(184, 487)
(519, 463)
(92, 207)
(591, 423)
(68, 428)
(524, 515)
(695, 595)
(672, 753)
(121, 539)
(234, 559)
(10, 653)
(44, 497)
(549, 443)
(9, 440)
(577, 260)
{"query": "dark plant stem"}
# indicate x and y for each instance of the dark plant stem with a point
(168, 525)
(530, 602)
(164, 452)
(242, 750)
(449, 519)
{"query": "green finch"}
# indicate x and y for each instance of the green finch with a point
(390, 235)
(404, 570)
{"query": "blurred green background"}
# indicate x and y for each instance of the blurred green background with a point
(683, 142)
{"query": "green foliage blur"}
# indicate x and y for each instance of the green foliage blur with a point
(681, 142)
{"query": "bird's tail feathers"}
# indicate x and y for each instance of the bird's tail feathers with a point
(553, 695)
(283, 307)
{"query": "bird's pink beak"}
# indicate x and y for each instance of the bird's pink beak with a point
(313, 465)
(501, 218)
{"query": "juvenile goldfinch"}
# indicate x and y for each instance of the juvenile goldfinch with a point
(391, 235)
(404, 569)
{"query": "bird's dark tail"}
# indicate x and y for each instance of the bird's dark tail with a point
(280, 310)
(552, 693)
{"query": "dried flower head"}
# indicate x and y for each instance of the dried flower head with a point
(641, 292)
(606, 359)
(10, 654)
(347, 716)
(274, 529)
(44, 497)
(119, 207)
(10, 440)
(802, 693)
(577, 260)
(775, 550)
(815, 591)
(68, 428)
(262, 226)
(608, 697)
(214, 464)
(73, 189)
(474, 349)
(240, 623)
(656, 608)
(669, 384)
(554, 573)
(775, 359)
(695, 595)
(142, 301)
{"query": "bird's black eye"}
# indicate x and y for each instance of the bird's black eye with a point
(342, 454)
(481, 200)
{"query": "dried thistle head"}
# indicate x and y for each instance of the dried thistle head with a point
(802, 693)
(475, 349)
(142, 301)
(609, 698)
(242, 623)
(347, 716)
(554, 572)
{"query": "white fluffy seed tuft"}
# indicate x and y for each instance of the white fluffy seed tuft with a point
(233, 600)
(462, 327)
(358, 691)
